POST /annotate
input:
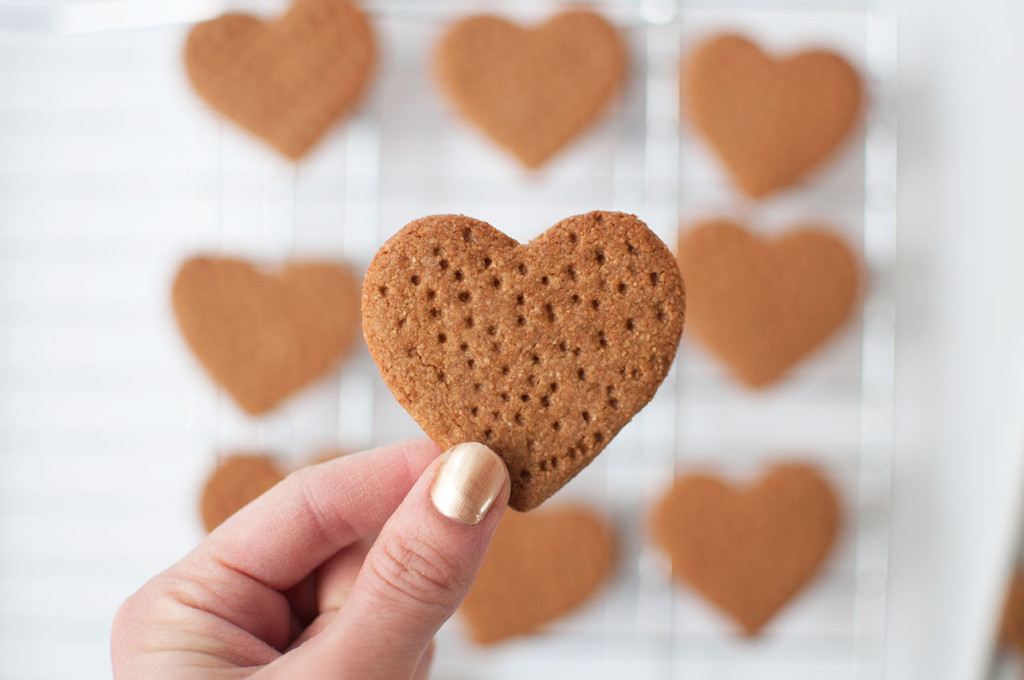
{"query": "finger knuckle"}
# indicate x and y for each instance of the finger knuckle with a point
(412, 568)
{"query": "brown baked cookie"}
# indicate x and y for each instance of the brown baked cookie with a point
(1011, 628)
(531, 90)
(286, 80)
(763, 305)
(769, 120)
(543, 352)
(262, 335)
(748, 551)
(237, 480)
(538, 568)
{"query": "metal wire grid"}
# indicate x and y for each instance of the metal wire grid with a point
(403, 156)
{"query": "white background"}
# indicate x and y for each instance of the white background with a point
(958, 469)
(960, 340)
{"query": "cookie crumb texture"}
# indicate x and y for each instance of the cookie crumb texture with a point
(539, 567)
(236, 482)
(543, 351)
(264, 335)
(748, 550)
(532, 90)
(763, 305)
(287, 80)
(770, 120)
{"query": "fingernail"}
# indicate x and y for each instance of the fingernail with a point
(468, 483)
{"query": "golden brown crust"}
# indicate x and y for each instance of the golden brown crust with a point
(543, 352)
(286, 80)
(748, 551)
(538, 568)
(531, 90)
(771, 121)
(761, 306)
(264, 335)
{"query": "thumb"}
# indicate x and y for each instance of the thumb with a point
(417, 572)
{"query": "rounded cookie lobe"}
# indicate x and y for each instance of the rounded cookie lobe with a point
(235, 482)
(541, 351)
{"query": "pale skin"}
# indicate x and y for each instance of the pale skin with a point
(343, 570)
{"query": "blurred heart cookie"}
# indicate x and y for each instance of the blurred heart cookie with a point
(770, 120)
(238, 480)
(539, 567)
(286, 80)
(531, 89)
(748, 551)
(763, 305)
(262, 335)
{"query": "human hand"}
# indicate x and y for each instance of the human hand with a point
(299, 585)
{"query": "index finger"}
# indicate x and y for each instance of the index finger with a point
(286, 533)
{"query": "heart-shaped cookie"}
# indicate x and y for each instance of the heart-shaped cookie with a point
(237, 480)
(263, 335)
(542, 352)
(538, 568)
(748, 551)
(762, 305)
(769, 120)
(286, 80)
(531, 90)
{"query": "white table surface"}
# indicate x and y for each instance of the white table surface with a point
(960, 343)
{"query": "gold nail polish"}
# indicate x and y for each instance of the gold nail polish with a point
(468, 482)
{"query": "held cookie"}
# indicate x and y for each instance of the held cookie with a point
(748, 551)
(769, 120)
(262, 335)
(538, 568)
(763, 305)
(286, 80)
(543, 352)
(236, 482)
(531, 90)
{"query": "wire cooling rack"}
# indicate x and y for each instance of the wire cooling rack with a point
(112, 172)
